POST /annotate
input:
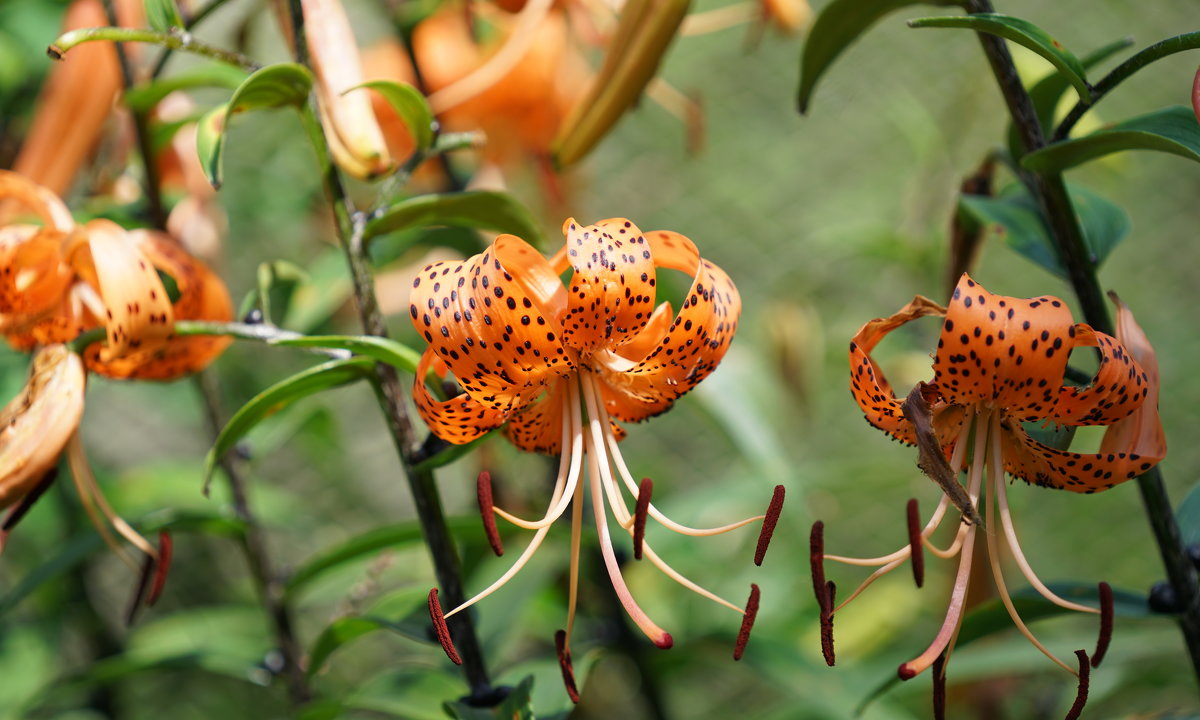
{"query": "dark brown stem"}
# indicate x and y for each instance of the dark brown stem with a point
(254, 547)
(1052, 195)
(393, 401)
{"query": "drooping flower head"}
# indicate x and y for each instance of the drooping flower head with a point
(999, 368)
(557, 366)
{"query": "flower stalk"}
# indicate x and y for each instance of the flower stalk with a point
(1051, 193)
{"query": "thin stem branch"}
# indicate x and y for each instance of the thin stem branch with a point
(1122, 72)
(1068, 239)
(392, 399)
(254, 547)
(175, 39)
(189, 22)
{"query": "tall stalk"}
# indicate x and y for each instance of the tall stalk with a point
(1051, 193)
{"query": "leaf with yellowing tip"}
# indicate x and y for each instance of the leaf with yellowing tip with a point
(37, 423)
(644, 31)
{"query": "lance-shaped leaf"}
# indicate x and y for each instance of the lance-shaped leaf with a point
(1016, 218)
(992, 617)
(1171, 130)
(1023, 33)
(309, 382)
(482, 209)
(840, 23)
(382, 349)
(348, 629)
(275, 86)
(644, 31)
(410, 105)
(144, 97)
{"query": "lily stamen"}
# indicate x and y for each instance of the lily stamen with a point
(748, 616)
(915, 540)
(487, 506)
(1106, 623)
(639, 516)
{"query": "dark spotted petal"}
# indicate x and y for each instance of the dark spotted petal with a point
(492, 319)
(1045, 466)
(458, 420)
(868, 385)
(611, 292)
(1119, 388)
(538, 427)
(1002, 351)
(690, 349)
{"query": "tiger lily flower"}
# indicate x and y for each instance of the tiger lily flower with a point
(58, 280)
(558, 365)
(1000, 364)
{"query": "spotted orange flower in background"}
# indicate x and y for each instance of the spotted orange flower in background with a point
(557, 365)
(999, 367)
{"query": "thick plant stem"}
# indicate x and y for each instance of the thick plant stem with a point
(1052, 195)
(254, 547)
(392, 399)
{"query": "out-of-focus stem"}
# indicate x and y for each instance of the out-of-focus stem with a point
(426, 499)
(175, 40)
(1068, 239)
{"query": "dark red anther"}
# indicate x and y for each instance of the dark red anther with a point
(827, 623)
(1106, 623)
(747, 623)
(939, 687)
(769, 522)
(161, 568)
(639, 516)
(564, 664)
(914, 543)
(816, 560)
(483, 490)
(665, 641)
(139, 591)
(441, 628)
(18, 511)
(1081, 694)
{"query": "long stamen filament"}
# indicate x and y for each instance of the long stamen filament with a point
(1010, 533)
(996, 477)
(871, 579)
(573, 588)
(98, 509)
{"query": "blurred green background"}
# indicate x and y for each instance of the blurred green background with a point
(824, 222)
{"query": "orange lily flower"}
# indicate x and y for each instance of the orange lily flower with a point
(1000, 363)
(556, 366)
(58, 280)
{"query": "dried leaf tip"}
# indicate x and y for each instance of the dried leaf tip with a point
(564, 664)
(441, 628)
(931, 459)
(1081, 694)
(483, 490)
(770, 520)
(645, 491)
(748, 617)
(1106, 624)
(916, 548)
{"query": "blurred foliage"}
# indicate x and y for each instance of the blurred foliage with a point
(824, 222)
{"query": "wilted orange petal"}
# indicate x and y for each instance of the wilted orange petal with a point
(458, 420)
(1142, 431)
(1002, 351)
(611, 293)
(36, 424)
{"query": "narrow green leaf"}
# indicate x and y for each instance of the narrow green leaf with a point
(309, 382)
(162, 15)
(838, 25)
(1016, 217)
(1023, 33)
(78, 548)
(275, 86)
(346, 630)
(144, 97)
(1047, 92)
(1188, 517)
(449, 454)
(472, 208)
(410, 105)
(360, 546)
(382, 349)
(517, 706)
(992, 617)
(1171, 130)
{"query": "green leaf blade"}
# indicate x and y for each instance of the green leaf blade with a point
(382, 349)
(162, 15)
(1023, 33)
(482, 209)
(410, 105)
(1171, 130)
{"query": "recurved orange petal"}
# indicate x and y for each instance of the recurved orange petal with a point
(1003, 351)
(1119, 387)
(34, 198)
(458, 420)
(33, 277)
(692, 346)
(202, 296)
(868, 384)
(1045, 466)
(611, 293)
(492, 319)
(36, 425)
